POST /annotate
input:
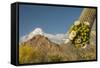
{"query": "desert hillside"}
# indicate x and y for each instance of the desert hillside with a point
(41, 49)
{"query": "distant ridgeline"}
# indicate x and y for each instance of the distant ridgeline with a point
(79, 33)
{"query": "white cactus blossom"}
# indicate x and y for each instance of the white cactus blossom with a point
(72, 35)
(66, 41)
(84, 46)
(87, 23)
(77, 23)
(78, 40)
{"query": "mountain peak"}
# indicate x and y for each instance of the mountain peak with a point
(38, 31)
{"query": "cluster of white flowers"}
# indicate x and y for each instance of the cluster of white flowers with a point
(72, 35)
(77, 23)
(87, 23)
(66, 41)
(79, 34)
(84, 46)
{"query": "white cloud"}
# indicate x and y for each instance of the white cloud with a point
(57, 38)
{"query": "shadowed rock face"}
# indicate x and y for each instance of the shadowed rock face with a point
(38, 40)
(42, 43)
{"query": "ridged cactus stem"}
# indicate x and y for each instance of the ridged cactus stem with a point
(88, 15)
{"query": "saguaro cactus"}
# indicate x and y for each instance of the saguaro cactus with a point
(80, 31)
(88, 15)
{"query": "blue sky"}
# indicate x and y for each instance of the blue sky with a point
(52, 20)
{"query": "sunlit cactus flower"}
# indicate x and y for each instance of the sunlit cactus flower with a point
(87, 23)
(72, 35)
(66, 41)
(84, 45)
(79, 40)
(77, 23)
(82, 34)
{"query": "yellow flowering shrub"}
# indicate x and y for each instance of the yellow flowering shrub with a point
(28, 54)
(25, 54)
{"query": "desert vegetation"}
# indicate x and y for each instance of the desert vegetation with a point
(63, 52)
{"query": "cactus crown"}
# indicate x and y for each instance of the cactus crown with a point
(79, 34)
